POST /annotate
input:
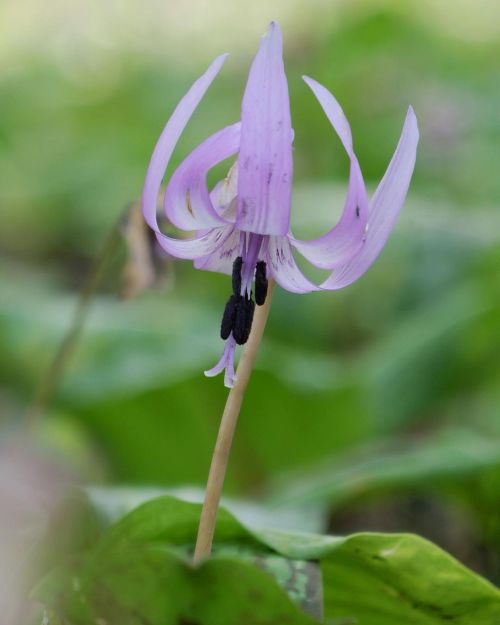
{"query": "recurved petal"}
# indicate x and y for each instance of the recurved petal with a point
(338, 246)
(206, 243)
(384, 208)
(223, 257)
(265, 159)
(187, 201)
(282, 267)
(168, 140)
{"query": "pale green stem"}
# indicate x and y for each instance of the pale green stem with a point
(227, 427)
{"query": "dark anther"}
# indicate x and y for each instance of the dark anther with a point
(243, 321)
(357, 211)
(260, 283)
(237, 265)
(229, 317)
(238, 314)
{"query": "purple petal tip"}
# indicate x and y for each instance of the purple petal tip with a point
(219, 61)
(411, 123)
(310, 82)
(273, 30)
(410, 113)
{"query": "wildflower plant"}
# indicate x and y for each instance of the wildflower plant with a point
(242, 226)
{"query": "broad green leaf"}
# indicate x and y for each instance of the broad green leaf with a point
(154, 585)
(387, 580)
(230, 591)
(377, 579)
(166, 520)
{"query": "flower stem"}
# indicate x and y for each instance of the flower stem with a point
(227, 427)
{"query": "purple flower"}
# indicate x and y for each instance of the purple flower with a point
(242, 226)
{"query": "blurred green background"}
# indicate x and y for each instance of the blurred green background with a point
(373, 408)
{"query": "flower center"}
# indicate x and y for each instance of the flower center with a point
(238, 313)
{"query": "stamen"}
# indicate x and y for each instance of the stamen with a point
(237, 265)
(228, 318)
(261, 283)
(243, 321)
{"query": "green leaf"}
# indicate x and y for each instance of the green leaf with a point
(151, 584)
(166, 520)
(139, 572)
(388, 580)
(232, 592)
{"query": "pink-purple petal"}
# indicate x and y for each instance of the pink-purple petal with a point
(341, 243)
(204, 244)
(224, 193)
(265, 158)
(281, 266)
(161, 157)
(385, 206)
(187, 200)
(222, 258)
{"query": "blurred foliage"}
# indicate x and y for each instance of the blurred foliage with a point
(74, 146)
(364, 401)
